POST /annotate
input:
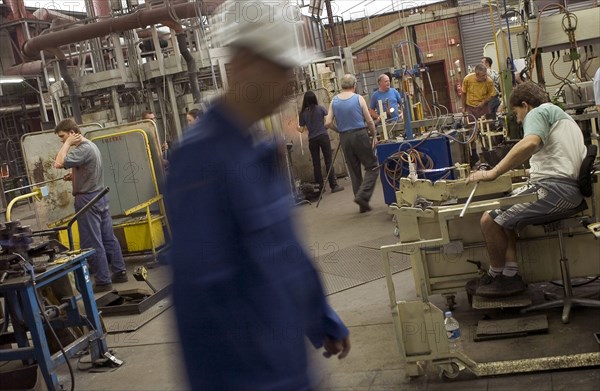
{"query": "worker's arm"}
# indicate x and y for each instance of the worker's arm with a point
(517, 155)
(59, 162)
(491, 92)
(329, 124)
(368, 119)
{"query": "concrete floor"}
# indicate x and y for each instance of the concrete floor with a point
(152, 360)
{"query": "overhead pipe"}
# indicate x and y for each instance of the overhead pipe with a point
(18, 108)
(139, 19)
(46, 14)
(187, 56)
(71, 85)
(17, 9)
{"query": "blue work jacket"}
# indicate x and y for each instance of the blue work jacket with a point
(246, 293)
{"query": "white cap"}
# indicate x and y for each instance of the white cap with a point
(268, 28)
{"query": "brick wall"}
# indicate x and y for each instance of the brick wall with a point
(432, 38)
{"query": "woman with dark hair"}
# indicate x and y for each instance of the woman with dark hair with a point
(312, 117)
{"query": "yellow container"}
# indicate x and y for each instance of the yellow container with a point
(137, 234)
(133, 234)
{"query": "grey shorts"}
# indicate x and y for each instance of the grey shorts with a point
(553, 197)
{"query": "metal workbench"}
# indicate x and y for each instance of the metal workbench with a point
(22, 299)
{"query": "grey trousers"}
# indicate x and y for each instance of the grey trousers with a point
(96, 231)
(356, 146)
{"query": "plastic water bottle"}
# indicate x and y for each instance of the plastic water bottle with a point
(452, 332)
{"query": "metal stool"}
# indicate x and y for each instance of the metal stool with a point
(565, 220)
(558, 223)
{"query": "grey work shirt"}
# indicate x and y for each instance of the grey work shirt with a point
(86, 162)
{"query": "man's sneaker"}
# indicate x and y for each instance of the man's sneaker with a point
(472, 285)
(102, 288)
(119, 277)
(336, 188)
(502, 286)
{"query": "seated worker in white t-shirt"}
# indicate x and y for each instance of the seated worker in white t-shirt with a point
(553, 143)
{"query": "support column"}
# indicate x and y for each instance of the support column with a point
(174, 108)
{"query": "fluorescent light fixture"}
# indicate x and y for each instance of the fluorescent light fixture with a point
(11, 79)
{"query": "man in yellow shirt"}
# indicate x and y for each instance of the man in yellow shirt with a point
(478, 90)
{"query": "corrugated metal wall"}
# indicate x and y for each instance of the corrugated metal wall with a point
(475, 31)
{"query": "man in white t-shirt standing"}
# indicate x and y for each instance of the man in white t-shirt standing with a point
(495, 102)
(554, 145)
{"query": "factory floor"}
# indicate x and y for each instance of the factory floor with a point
(152, 360)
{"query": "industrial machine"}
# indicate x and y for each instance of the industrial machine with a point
(53, 316)
(444, 248)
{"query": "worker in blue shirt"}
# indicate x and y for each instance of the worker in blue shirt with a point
(390, 98)
(245, 291)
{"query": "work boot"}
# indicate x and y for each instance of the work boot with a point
(119, 277)
(502, 286)
(363, 204)
(102, 288)
(472, 285)
(336, 188)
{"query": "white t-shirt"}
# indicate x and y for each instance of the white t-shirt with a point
(563, 148)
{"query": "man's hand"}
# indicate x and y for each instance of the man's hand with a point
(68, 177)
(73, 139)
(481, 175)
(332, 348)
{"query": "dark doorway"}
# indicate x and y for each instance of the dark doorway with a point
(439, 81)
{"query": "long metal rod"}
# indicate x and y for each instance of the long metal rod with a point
(329, 171)
(33, 184)
(464, 210)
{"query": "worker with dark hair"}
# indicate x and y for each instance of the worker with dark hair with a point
(148, 114)
(95, 225)
(192, 116)
(312, 117)
(246, 293)
(553, 143)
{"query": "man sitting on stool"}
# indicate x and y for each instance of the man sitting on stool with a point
(554, 145)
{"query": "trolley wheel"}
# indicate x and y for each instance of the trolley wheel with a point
(450, 374)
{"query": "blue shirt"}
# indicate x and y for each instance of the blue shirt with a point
(245, 291)
(348, 113)
(313, 117)
(392, 96)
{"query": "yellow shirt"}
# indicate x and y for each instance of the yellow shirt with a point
(477, 91)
